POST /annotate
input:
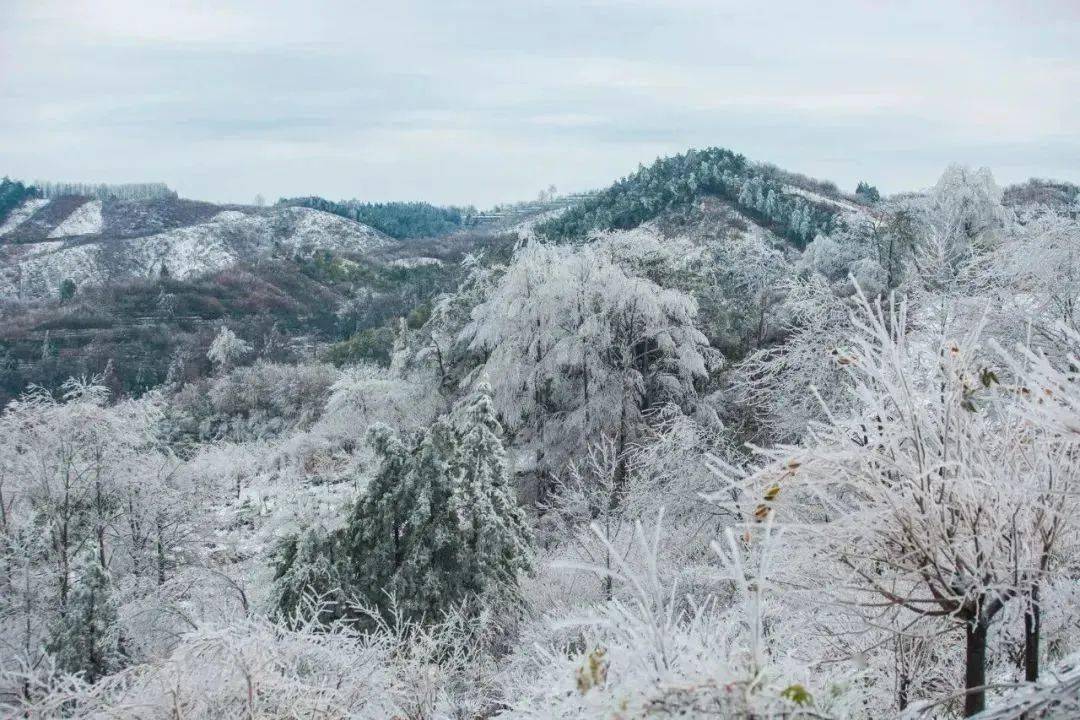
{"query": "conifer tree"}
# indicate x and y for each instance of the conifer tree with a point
(84, 638)
(431, 579)
(376, 541)
(497, 536)
(305, 572)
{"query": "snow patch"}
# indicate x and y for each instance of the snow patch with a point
(415, 262)
(21, 214)
(227, 238)
(227, 216)
(85, 220)
(823, 200)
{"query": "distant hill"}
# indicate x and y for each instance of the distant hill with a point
(138, 276)
(792, 206)
(401, 220)
(46, 241)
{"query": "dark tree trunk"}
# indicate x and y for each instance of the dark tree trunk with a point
(1032, 622)
(975, 670)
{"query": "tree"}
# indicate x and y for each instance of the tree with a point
(67, 290)
(376, 541)
(432, 580)
(867, 192)
(306, 578)
(576, 345)
(84, 637)
(935, 496)
(498, 541)
(227, 348)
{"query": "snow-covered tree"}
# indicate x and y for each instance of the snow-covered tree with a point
(498, 542)
(84, 638)
(307, 578)
(432, 580)
(227, 348)
(376, 536)
(934, 496)
(576, 346)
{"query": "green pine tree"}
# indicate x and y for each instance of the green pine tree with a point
(305, 572)
(431, 579)
(498, 539)
(84, 638)
(376, 542)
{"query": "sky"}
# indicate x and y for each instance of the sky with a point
(487, 101)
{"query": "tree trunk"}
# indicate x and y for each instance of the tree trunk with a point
(1032, 623)
(975, 670)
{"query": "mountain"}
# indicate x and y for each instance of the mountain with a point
(44, 242)
(137, 280)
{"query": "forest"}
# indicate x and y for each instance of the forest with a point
(719, 441)
(397, 219)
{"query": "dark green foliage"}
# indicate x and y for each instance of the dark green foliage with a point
(397, 219)
(67, 289)
(373, 345)
(84, 638)
(306, 578)
(12, 194)
(867, 192)
(436, 525)
(432, 578)
(377, 538)
(497, 538)
(679, 180)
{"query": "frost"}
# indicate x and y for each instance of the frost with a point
(415, 262)
(21, 214)
(85, 220)
(228, 238)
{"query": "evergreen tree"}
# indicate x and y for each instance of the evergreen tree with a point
(376, 542)
(497, 536)
(305, 571)
(67, 289)
(84, 637)
(431, 579)
(867, 192)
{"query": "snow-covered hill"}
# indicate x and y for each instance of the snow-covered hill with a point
(92, 242)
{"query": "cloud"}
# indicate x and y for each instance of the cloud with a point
(480, 101)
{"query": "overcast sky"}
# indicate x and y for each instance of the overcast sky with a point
(485, 101)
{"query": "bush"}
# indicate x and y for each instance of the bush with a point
(372, 345)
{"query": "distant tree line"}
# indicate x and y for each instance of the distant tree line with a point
(400, 220)
(103, 191)
(12, 194)
(679, 180)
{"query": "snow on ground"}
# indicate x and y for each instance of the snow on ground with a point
(318, 229)
(21, 214)
(229, 237)
(228, 215)
(41, 273)
(526, 229)
(85, 220)
(415, 262)
(184, 251)
(823, 200)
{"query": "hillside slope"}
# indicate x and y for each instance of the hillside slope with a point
(94, 242)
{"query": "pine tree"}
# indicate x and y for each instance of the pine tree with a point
(84, 637)
(305, 572)
(376, 542)
(497, 536)
(431, 579)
